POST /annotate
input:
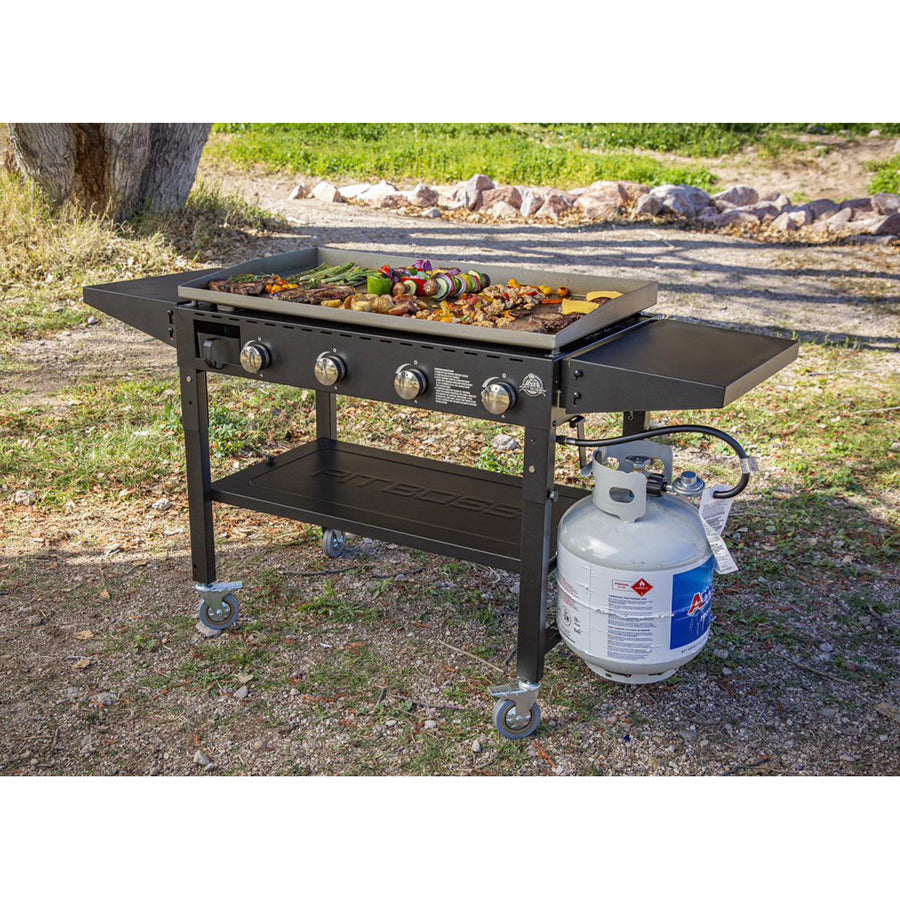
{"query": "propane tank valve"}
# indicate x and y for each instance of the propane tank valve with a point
(688, 484)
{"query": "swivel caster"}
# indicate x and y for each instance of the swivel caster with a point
(512, 726)
(516, 712)
(333, 542)
(219, 608)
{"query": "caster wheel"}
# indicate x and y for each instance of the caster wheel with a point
(333, 542)
(505, 720)
(221, 618)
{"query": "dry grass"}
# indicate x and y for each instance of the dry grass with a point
(48, 255)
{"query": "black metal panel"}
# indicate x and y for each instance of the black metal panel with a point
(145, 303)
(669, 364)
(443, 508)
(455, 372)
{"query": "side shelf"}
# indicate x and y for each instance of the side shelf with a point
(145, 304)
(669, 364)
(453, 510)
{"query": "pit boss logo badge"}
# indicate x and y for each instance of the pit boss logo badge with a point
(532, 385)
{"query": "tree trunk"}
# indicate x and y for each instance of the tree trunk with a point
(118, 169)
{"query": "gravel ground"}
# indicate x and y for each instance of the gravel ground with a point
(103, 671)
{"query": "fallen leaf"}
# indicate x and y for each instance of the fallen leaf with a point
(85, 635)
(104, 594)
(243, 678)
(81, 663)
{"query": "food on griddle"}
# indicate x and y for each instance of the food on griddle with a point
(424, 292)
(603, 295)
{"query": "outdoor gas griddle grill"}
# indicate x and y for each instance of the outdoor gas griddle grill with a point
(616, 359)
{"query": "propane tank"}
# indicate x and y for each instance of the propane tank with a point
(634, 571)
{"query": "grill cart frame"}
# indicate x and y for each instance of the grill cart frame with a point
(631, 366)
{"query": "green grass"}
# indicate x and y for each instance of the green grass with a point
(562, 154)
(886, 177)
(441, 153)
(117, 435)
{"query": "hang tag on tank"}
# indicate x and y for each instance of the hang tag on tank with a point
(715, 511)
(725, 563)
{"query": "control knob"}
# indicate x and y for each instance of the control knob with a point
(329, 369)
(409, 382)
(255, 356)
(497, 396)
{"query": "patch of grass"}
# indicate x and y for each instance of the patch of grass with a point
(118, 435)
(440, 153)
(48, 255)
(887, 176)
(334, 605)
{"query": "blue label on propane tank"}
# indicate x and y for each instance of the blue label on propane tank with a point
(691, 604)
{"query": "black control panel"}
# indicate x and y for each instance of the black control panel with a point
(454, 378)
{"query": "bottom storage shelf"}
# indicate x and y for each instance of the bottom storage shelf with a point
(453, 510)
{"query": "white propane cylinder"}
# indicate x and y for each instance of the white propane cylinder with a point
(634, 572)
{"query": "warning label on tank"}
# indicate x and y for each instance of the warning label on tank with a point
(453, 387)
(630, 629)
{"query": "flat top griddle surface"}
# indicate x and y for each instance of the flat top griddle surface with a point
(636, 296)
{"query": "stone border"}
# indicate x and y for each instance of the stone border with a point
(739, 209)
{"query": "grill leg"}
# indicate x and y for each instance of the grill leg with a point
(326, 415)
(195, 419)
(537, 507)
(634, 422)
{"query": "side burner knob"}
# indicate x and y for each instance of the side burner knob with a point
(255, 356)
(329, 369)
(409, 382)
(497, 397)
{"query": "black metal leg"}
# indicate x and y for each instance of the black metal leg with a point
(195, 419)
(326, 415)
(635, 421)
(537, 500)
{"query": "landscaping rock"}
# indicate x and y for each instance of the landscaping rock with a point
(770, 196)
(738, 217)
(326, 192)
(162, 504)
(782, 202)
(801, 216)
(840, 220)
(532, 200)
(299, 192)
(820, 209)
(709, 216)
(609, 191)
(885, 204)
(24, 498)
(352, 191)
(859, 206)
(633, 190)
(241, 693)
(553, 206)
(680, 199)
(784, 222)
(739, 195)
(500, 209)
(105, 698)
(765, 212)
(508, 194)
(431, 213)
(383, 195)
(888, 225)
(469, 191)
(201, 759)
(648, 205)
(206, 631)
(597, 207)
(422, 195)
